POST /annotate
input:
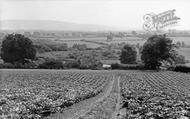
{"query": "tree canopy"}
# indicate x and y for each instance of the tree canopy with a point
(128, 54)
(156, 50)
(17, 48)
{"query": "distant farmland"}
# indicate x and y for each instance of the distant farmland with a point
(186, 40)
(130, 40)
(100, 41)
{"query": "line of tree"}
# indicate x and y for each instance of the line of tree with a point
(158, 50)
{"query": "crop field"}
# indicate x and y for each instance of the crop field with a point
(162, 95)
(88, 94)
(39, 93)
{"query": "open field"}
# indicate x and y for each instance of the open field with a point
(84, 94)
(156, 95)
(38, 93)
(55, 54)
(72, 41)
(129, 40)
(89, 45)
(186, 40)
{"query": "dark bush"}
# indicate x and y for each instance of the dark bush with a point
(115, 66)
(128, 54)
(31, 65)
(51, 64)
(6, 65)
(17, 48)
(18, 65)
(127, 66)
(72, 64)
(182, 68)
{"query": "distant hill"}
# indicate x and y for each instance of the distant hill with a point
(50, 25)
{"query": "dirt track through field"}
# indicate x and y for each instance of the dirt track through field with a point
(108, 107)
(78, 109)
(114, 115)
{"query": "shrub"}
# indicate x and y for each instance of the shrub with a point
(18, 65)
(72, 64)
(128, 55)
(51, 64)
(115, 66)
(7, 65)
(182, 68)
(30, 65)
(127, 66)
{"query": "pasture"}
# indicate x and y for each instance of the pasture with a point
(186, 40)
(81, 94)
(128, 40)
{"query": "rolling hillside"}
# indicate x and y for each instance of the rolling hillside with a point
(50, 25)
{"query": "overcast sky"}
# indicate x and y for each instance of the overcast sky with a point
(116, 13)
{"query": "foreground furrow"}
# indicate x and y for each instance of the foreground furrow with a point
(106, 108)
(73, 94)
(78, 109)
(154, 95)
(40, 93)
(116, 114)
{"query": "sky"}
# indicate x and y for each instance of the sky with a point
(125, 14)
